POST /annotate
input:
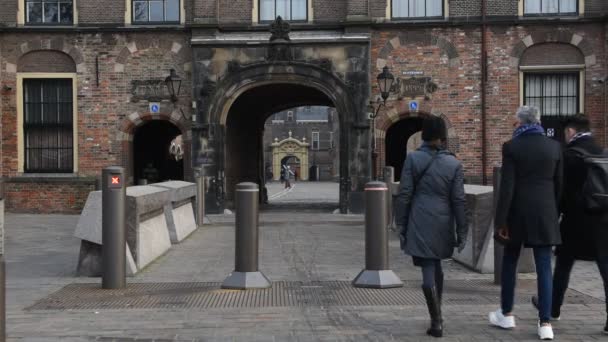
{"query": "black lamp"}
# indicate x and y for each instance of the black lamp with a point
(174, 84)
(385, 82)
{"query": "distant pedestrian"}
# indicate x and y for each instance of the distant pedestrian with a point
(527, 213)
(584, 233)
(287, 174)
(429, 205)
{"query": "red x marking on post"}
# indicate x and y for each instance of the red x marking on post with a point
(115, 180)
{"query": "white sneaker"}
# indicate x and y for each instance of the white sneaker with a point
(545, 332)
(501, 321)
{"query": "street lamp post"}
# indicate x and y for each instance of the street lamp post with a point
(174, 86)
(385, 83)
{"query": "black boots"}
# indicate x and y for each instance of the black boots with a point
(434, 304)
(439, 284)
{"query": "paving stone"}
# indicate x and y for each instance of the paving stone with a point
(301, 245)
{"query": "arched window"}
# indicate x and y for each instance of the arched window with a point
(47, 112)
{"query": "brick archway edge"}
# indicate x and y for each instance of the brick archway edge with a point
(559, 36)
(54, 44)
(135, 120)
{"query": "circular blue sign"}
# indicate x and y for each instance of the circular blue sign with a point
(154, 108)
(413, 105)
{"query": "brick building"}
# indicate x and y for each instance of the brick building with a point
(82, 83)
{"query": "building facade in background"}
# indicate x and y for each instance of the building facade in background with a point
(314, 126)
(82, 84)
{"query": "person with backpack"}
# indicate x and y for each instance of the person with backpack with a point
(430, 212)
(527, 213)
(584, 225)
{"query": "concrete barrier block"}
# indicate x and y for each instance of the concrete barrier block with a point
(179, 211)
(147, 231)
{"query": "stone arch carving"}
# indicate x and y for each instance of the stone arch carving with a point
(58, 44)
(423, 38)
(180, 53)
(129, 125)
(220, 96)
(248, 77)
(559, 36)
(286, 148)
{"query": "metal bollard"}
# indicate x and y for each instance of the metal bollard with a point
(200, 196)
(113, 250)
(246, 274)
(389, 178)
(376, 273)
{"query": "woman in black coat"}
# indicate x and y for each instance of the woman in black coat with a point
(584, 235)
(527, 209)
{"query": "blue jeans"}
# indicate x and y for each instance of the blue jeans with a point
(542, 258)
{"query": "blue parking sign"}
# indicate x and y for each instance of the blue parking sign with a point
(154, 107)
(414, 106)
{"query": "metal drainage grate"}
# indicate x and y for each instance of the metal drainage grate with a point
(282, 294)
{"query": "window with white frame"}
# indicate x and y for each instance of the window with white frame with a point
(417, 8)
(292, 10)
(550, 7)
(49, 12)
(156, 11)
(555, 94)
(315, 140)
(290, 116)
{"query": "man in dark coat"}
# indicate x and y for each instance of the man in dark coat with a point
(527, 211)
(584, 235)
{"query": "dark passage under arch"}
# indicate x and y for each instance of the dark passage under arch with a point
(153, 161)
(396, 140)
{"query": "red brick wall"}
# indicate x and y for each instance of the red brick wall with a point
(103, 111)
(236, 11)
(458, 81)
(357, 7)
(329, 11)
(460, 85)
(203, 9)
(8, 12)
(43, 197)
(101, 12)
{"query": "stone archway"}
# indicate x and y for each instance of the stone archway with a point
(290, 147)
(129, 126)
(310, 85)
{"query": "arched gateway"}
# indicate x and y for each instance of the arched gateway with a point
(289, 148)
(241, 86)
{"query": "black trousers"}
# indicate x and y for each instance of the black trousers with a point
(561, 278)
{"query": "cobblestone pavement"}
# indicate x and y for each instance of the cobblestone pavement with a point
(41, 258)
(304, 192)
